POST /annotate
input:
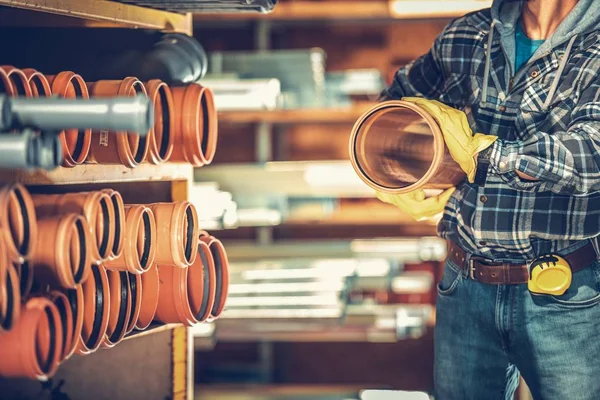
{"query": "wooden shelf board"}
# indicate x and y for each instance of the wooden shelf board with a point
(97, 13)
(357, 10)
(94, 173)
(155, 327)
(309, 116)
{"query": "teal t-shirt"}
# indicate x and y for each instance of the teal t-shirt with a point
(525, 47)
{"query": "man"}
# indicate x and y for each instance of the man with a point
(527, 76)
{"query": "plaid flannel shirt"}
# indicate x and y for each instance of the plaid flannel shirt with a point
(556, 141)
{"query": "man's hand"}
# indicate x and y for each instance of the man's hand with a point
(462, 144)
(415, 203)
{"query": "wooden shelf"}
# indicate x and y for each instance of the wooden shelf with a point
(308, 116)
(91, 13)
(93, 173)
(155, 327)
(304, 10)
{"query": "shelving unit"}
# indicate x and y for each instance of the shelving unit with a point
(163, 351)
(304, 10)
(94, 13)
(316, 116)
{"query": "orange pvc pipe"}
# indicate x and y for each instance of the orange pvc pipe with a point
(18, 227)
(19, 81)
(75, 143)
(139, 237)
(120, 308)
(196, 129)
(34, 347)
(161, 135)
(397, 147)
(221, 271)
(96, 301)
(121, 147)
(149, 302)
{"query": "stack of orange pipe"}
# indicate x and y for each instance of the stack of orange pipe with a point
(185, 119)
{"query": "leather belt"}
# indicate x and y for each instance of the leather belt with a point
(500, 273)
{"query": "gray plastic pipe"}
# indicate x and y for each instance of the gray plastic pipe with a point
(29, 150)
(132, 114)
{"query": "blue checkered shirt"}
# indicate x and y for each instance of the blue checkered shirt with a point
(510, 218)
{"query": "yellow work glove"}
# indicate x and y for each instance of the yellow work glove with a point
(462, 144)
(415, 203)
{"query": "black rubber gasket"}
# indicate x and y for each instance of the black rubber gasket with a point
(62, 310)
(166, 134)
(206, 294)
(94, 338)
(78, 276)
(122, 307)
(24, 245)
(147, 242)
(80, 135)
(189, 239)
(219, 278)
(106, 221)
(51, 354)
(133, 287)
(115, 203)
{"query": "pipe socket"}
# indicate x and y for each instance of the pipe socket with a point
(34, 347)
(139, 241)
(135, 287)
(121, 146)
(221, 262)
(62, 255)
(161, 135)
(97, 209)
(75, 142)
(120, 308)
(196, 127)
(119, 213)
(10, 299)
(150, 287)
(40, 87)
(19, 82)
(397, 147)
(18, 228)
(177, 228)
(63, 306)
(96, 301)
(28, 150)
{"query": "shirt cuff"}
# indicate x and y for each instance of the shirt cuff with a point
(504, 156)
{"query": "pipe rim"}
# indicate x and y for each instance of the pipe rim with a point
(162, 100)
(438, 144)
(136, 287)
(60, 85)
(40, 87)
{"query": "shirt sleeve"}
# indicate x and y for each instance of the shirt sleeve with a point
(423, 77)
(566, 162)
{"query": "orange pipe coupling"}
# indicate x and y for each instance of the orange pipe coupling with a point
(75, 143)
(177, 228)
(96, 207)
(34, 347)
(139, 237)
(161, 136)
(196, 126)
(121, 147)
(62, 255)
(18, 227)
(221, 272)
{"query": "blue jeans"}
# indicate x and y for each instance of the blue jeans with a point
(486, 335)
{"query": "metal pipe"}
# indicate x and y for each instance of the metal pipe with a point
(133, 114)
(29, 150)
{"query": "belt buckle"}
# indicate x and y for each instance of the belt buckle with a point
(483, 260)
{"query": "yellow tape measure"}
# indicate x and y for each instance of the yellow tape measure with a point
(549, 274)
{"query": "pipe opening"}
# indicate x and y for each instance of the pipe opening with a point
(115, 203)
(104, 222)
(134, 288)
(395, 147)
(218, 276)
(99, 310)
(7, 321)
(78, 249)
(40, 90)
(206, 285)
(189, 233)
(206, 123)
(80, 135)
(25, 278)
(164, 135)
(19, 227)
(140, 150)
(45, 344)
(18, 84)
(59, 302)
(147, 232)
(122, 308)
